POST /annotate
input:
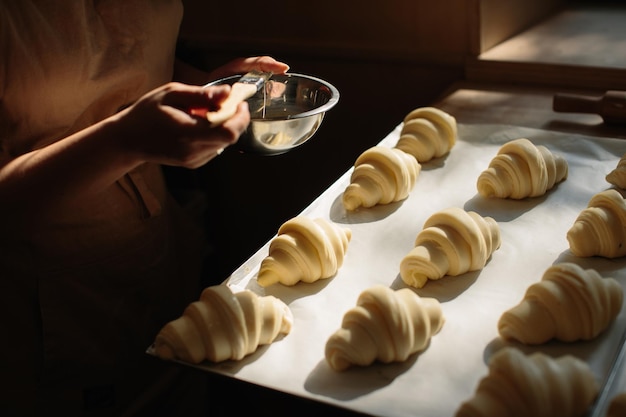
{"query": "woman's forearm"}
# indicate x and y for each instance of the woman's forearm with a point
(78, 166)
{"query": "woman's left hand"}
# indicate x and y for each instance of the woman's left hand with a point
(244, 65)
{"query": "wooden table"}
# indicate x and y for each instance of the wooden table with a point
(474, 102)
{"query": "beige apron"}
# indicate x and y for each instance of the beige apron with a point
(83, 294)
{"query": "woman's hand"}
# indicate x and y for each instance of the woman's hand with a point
(168, 126)
(244, 65)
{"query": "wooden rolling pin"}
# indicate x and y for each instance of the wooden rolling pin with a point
(611, 106)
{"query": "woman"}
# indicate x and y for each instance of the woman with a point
(95, 254)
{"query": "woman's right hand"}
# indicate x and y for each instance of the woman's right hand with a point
(168, 126)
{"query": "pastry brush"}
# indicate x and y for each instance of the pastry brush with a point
(243, 89)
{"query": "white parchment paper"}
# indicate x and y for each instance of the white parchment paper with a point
(435, 381)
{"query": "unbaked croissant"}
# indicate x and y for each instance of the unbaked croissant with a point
(305, 250)
(600, 229)
(520, 170)
(535, 385)
(381, 175)
(386, 325)
(427, 133)
(452, 242)
(568, 304)
(617, 177)
(223, 325)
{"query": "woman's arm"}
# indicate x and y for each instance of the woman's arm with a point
(158, 128)
(165, 126)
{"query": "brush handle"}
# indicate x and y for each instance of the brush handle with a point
(238, 93)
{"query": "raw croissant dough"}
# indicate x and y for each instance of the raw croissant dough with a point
(223, 325)
(304, 250)
(381, 175)
(600, 229)
(520, 170)
(385, 325)
(384, 175)
(536, 385)
(453, 242)
(427, 133)
(617, 177)
(568, 304)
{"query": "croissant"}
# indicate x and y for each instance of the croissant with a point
(568, 304)
(304, 250)
(453, 242)
(536, 385)
(600, 229)
(223, 325)
(386, 325)
(520, 170)
(427, 133)
(381, 175)
(617, 406)
(617, 177)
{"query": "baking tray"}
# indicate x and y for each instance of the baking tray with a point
(435, 382)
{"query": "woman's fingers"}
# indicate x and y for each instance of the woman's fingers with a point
(244, 65)
(266, 64)
(187, 97)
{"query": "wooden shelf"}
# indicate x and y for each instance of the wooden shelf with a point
(580, 46)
